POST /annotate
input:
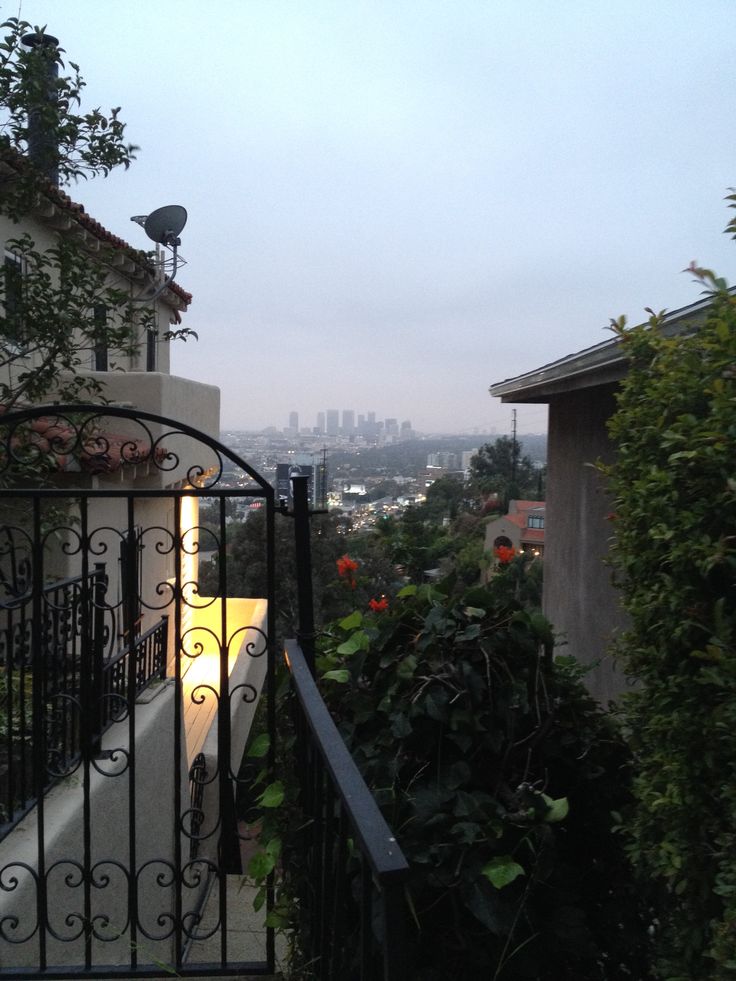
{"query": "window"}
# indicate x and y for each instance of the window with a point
(13, 268)
(151, 340)
(535, 521)
(99, 353)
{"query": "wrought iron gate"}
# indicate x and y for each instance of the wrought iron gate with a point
(129, 679)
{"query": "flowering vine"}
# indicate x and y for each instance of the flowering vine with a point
(504, 554)
(346, 567)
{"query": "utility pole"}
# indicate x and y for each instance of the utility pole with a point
(514, 449)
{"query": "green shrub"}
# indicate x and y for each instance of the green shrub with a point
(499, 777)
(674, 484)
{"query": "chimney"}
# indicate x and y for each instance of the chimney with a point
(43, 65)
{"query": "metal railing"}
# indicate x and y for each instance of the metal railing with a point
(354, 912)
(149, 652)
(37, 749)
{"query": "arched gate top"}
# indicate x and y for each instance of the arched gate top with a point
(96, 439)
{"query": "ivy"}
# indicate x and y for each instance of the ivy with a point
(675, 561)
(501, 779)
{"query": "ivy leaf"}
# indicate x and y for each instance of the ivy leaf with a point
(260, 745)
(260, 899)
(558, 809)
(407, 666)
(261, 865)
(357, 642)
(276, 920)
(353, 620)
(273, 795)
(474, 612)
(471, 632)
(407, 591)
(340, 675)
(502, 870)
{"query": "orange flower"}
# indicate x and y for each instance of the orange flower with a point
(504, 554)
(378, 606)
(346, 566)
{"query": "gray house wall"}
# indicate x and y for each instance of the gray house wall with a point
(579, 597)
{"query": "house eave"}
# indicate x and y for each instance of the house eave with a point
(602, 364)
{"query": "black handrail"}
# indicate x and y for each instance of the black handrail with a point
(355, 868)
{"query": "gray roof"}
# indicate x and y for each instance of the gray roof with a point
(601, 364)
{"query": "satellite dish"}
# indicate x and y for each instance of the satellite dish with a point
(164, 225)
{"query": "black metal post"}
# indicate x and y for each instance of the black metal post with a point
(303, 547)
(99, 593)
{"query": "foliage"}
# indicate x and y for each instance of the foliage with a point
(498, 775)
(500, 468)
(443, 497)
(675, 559)
(52, 332)
(333, 594)
(57, 303)
(78, 144)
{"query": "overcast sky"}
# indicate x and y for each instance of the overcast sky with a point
(395, 203)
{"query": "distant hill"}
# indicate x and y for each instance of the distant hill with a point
(409, 457)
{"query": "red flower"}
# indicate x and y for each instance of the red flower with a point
(346, 566)
(504, 554)
(378, 606)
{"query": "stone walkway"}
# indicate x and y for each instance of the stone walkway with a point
(246, 933)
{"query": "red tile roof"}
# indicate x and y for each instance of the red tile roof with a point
(516, 519)
(60, 198)
(515, 506)
(533, 535)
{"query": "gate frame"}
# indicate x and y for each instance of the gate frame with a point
(81, 438)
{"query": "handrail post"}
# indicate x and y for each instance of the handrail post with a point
(303, 549)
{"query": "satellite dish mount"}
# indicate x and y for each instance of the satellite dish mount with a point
(163, 226)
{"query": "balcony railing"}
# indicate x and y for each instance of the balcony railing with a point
(355, 870)
(41, 732)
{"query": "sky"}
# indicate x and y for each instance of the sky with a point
(395, 203)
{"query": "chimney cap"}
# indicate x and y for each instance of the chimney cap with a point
(39, 39)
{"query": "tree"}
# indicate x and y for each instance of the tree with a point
(60, 301)
(500, 468)
(443, 497)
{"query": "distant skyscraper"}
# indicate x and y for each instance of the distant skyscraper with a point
(320, 422)
(348, 422)
(392, 427)
(294, 421)
(333, 422)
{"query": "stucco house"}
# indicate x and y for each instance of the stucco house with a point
(579, 596)
(522, 528)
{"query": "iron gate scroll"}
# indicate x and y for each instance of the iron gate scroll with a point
(123, 659)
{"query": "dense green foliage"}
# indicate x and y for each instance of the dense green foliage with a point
(674, 484)
(499, 777)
